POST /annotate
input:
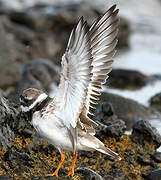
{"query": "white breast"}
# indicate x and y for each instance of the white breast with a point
(51, 128)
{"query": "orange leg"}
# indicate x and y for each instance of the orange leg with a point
(59, 166)
(71, 172)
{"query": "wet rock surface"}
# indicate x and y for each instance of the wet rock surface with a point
(143, 131)
(155, 102)
(155, 175)
(5, 177)
(88, 174)
(127, 79)
(8, 118)
(129, 110)
(156, 156)
(109, 124)
(9, 72)
(43, 30)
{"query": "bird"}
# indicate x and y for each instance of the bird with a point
(66, 119)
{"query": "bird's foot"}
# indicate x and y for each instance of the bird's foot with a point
(54, 174)
(71, 172)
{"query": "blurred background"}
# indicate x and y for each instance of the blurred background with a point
(34, 34)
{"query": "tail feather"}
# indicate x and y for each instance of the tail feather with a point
(89, 142)
(108, 151)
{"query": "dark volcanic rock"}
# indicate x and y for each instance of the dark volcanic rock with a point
(5, 177)
(109, 124)
(9, 72)
(8, 118)
(155, 175)
(115, 175)
(156, 156)
(114, 129)
(11, 123)
(122, 78)
(14, 158)
(143, 160)
(36, 74)
(155, 101)
(129, 110)
(88, 174)
(46, 17)
(43, 31)
(144, 132)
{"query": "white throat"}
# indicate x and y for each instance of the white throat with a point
(38, 100)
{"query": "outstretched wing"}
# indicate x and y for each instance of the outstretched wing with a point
(103, 36)
(85, 66)
(75, 76)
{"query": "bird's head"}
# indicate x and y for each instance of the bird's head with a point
(31, 98)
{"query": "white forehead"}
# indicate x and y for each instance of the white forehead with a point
(40, 98)
(29, 97)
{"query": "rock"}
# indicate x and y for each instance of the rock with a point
(109, 124)
(156, 156)
(9, 72)
(38, 74)
(88, 174)
(124, 33)
(115, 175)
(155, 101)
(129, 110)
(104, 113)
(8, 115)
(144, 132)
(15, 158)
(116, 129)
(143, 160)
(11, 123)
(127, 79)
(45, 17)
(155, 175)
(43, 30)
(156, 76)
(5, 177)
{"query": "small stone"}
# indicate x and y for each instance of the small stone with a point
(143, 160)
(115, 175)
(156, 156)
(5, 177)
(126, 109)
(14, 158)
(127, 79)
(144, 132)
(88, 174)
(155, 175)
(107, 109)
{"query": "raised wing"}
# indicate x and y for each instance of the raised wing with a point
(103, 36)
(75, 76)
(85, 67)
